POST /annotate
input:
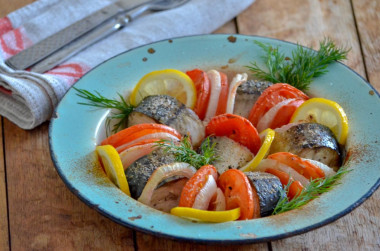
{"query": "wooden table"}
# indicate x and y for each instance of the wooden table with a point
(38, 212)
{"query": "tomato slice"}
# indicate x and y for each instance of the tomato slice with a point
(223, 96)
(236, 128)
(294, 189)
(284, 114)
(239, 193)
(270, 97)
(303, 167)
(195, 184)
(202, 85)
(136, 131)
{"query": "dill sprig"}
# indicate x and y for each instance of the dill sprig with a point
(99, 101)
(299, 69)
(315, 188)
(184, 152)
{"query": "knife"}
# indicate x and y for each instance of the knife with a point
(39, 51)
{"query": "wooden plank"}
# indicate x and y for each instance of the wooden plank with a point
(4, 235)
(9, 6)
(307, 22)
(368, 20)
(147, 242)
(43, 213)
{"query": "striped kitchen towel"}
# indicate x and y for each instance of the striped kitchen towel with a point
(28, 99)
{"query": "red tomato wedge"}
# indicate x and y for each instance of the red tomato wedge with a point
(195, 184)
(294, 189)
(202, 85)
(239, 193)
(270, 97)
(236, 128)
(303, 167)
(223, 97)
(284, 114)
(134, 132)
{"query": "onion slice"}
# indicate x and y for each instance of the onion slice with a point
(164, 172)
(235, 83)
(203, 198)
(130, 155)
(216, 87)
(218, 203)
(268, 117)
(271, 163)
(325, 168)
(158, 136)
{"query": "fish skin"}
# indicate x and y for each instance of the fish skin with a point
(169, 111)
(139, 172)
(268, 188)
(247, 94)
(311, 141)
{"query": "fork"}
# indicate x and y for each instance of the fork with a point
(103, 30)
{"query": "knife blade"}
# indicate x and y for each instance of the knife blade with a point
(56, 41)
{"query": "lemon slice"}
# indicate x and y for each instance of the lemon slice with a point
(206, 216)
(165, 82)
(111, 162)
(325, 112)
(267, 137)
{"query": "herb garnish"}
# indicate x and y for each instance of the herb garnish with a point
(313, 190)
(299, 69)
(98, 100)
(184, 152)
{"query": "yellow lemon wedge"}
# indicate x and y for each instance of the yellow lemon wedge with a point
(267, 137)
(111, 162)
(206, 216)
(165, 82)
(325, 112)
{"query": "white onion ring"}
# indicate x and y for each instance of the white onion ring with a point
(216, 88)
(130, 155)
(220, 201)
(271, 163)
(268, 117)
(202, 200)
(157, 135)
(325, 168)
(162, 173)
(235, 83)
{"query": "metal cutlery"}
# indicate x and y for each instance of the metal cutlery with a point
(68, 42)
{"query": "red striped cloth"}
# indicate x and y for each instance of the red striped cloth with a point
(28, 99)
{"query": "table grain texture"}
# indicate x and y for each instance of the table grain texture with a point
(38, 212)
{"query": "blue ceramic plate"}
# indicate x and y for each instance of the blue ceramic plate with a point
(76, 129)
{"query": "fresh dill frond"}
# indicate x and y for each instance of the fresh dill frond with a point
(313, 190)
(299, 69)
(99, 101)
(184, 152)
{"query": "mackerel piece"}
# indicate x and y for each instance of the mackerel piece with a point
(268, 188)
(247, 95)
(309, 140)
(231, 154)
(169, 111)
(140, 171)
